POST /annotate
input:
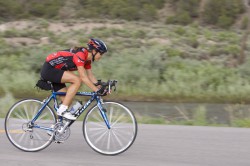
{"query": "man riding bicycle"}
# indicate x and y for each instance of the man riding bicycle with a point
(58, 66)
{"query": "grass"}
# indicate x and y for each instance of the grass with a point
(175, 68)
(151, 62)
(6, 102)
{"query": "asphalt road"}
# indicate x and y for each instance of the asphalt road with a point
(156, 145)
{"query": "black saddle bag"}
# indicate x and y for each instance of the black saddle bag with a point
(43, 84)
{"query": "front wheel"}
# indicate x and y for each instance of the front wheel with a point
(111, 141)
(24, 135)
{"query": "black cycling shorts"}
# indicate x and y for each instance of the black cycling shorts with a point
(53, 75)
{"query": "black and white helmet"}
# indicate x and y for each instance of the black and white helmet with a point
(97, 44)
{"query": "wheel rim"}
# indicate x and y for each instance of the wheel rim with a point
(17, 130)
(115, 140)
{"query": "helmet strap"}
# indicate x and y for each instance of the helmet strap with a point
(93, 56)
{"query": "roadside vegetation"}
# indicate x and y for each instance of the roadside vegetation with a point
(230, 115)
(186, 55)
(157, 62)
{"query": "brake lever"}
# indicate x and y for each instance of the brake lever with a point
(109, 88)
(114, 84)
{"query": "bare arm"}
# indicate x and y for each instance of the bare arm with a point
(91, 76)
(86, 79)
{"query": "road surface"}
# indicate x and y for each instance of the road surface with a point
(156, 145)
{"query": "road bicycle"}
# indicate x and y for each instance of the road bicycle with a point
(109, 128)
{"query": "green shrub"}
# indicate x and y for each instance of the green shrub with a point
(185, 11)
(10, 33)
(18, 10)
(121, 9)
(223, 12)
(173, 52)
(225, 21)
(193, 42)
(226, 50)
(148, 12)
(241, 122)
(2, 92)
(180, 31)
(45, 8)
(140, 34)
(6, 102)
(244, 23)
(199, 117)
(190, 6)
(182, 18)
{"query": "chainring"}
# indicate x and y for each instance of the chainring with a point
(61, 136)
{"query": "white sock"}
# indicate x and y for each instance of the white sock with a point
(61, 109)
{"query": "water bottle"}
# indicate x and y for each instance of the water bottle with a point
(75, 107)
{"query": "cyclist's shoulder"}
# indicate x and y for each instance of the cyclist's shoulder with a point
(82, 52)
(78, 50)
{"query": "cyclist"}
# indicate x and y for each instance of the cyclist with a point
(58, 66)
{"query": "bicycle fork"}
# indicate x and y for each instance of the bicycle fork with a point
(103, 112)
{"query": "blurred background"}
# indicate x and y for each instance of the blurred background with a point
(177, 61)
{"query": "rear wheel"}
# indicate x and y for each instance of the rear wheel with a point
(21, 133)
(111, 141)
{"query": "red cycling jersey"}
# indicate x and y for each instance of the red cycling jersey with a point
(69, 59)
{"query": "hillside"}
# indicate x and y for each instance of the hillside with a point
(221, 13)
(152, 60)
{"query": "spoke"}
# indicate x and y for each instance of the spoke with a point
(18, 131)
(96, 129)
(118, 140)
(108, 144)
(38, 136)
(118, 119)
(111, 114)
(21, 138)
(97, 124)
(123, 132)
(97, 133)
(19, 116)
(95, 117)
(123, 127)
(22, 114)
(101, 136)
(35, 111)
(26, 112)
(42, 115)
(32, 141)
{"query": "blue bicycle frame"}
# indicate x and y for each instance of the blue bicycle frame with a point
(93, 95)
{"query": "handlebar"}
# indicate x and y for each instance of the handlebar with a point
(106, 87)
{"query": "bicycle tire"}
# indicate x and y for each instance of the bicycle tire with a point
(16, 120)
(112, 141)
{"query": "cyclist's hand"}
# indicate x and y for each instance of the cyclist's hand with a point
(101, 92)
(107, 92)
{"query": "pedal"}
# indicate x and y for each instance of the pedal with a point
(59, 142)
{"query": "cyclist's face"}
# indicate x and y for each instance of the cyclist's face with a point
(98, 56)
